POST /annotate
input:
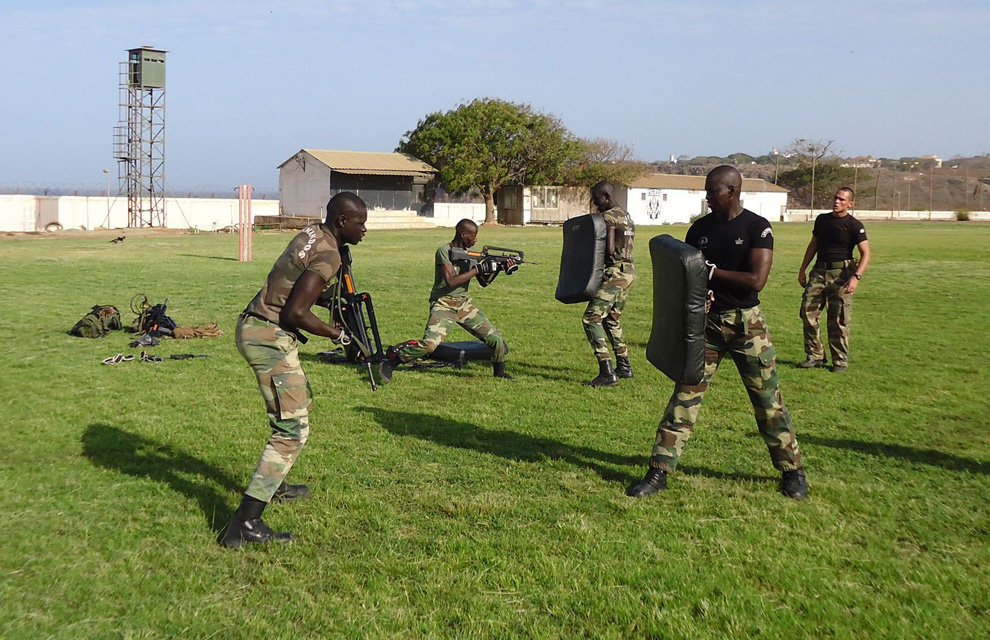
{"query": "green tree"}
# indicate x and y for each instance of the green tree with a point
(487, 143)
(604, 159)
(817, 174)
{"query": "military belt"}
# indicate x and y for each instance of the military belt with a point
(841, 264)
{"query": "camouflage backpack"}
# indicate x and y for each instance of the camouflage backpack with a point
(98, 322)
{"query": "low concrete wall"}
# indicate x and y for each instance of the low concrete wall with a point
(806, 215)
(448, 214)
(34, 213)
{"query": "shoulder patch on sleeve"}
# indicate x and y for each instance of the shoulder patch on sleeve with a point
(767, 232)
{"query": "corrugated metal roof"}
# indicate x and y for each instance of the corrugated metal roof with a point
(697, 183)
(370, 162)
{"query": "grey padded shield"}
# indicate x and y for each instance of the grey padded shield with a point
(680, 286)
(582, 258)
(462, 351)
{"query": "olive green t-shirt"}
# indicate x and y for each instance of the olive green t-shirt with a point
(440, 287)
(313, 249)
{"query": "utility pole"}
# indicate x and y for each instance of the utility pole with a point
(893, 190)
(814, 161)
(876, 192)
(931, 190)
(855, 177)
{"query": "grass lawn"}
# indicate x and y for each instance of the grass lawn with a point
(449, 504)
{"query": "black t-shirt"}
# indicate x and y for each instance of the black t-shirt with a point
(727, 245)
(837, 236)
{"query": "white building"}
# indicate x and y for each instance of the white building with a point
(662, 198)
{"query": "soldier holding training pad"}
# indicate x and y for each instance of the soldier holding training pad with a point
(268, 333)
(738, 247)
(601, 317)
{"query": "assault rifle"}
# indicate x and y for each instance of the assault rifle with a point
(354, 313)
(490, 261)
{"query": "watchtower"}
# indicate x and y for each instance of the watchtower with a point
(139, 137)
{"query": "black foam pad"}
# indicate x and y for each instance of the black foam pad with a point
(680, 285)
(462, 351)
(582, 258)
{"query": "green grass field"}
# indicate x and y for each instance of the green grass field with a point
(449, 504)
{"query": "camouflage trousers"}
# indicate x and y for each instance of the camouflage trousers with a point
(445, 312)
(827, 287)
(743, 334)
(601, 317)
(274, 357)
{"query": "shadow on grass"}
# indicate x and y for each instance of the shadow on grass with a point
(193, 255)
(920, 456)
(137, 456)
(505, 444)
(692, 470)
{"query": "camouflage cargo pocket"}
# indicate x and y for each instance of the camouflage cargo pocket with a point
(768, 356)
(292, 394)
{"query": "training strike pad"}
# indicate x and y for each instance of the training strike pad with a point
(680, 286)
(462, 351)
(582, 259)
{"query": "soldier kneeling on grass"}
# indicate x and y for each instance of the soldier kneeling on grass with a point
(268, 334)
(450, 303)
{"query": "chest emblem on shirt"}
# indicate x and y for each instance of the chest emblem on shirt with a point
(702, 242)
(739, 240)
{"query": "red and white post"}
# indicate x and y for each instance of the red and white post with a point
(244, 227)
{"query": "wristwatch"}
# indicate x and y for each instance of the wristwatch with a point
(857, 276)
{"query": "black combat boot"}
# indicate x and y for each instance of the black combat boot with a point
(606, 375)
(246, 526)
(794, 485)
(623, 368)
(290, 492)
(498, 370)
(387, 366)
(654, 480)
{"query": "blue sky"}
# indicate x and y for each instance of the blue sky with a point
(250, 83)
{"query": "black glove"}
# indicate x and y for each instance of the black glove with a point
(487, 267)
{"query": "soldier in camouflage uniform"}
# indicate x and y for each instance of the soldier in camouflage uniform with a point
(268, 333)
(834, 279)
(601, 318)
(450, 303)
(738, 247)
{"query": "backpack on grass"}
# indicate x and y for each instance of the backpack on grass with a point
(103, 319)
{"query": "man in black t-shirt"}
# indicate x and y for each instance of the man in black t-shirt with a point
(738, 248)
(834, 279)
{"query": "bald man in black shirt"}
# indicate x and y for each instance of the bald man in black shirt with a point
(834, 279)
(738, 247)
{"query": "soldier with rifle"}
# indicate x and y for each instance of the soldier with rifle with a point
(268, 334)
(450, 302)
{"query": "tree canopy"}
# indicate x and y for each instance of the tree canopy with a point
(604, 159)
(488, 143)
(817, 175)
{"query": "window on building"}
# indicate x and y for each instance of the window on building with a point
(551, 198)
(537, 201)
